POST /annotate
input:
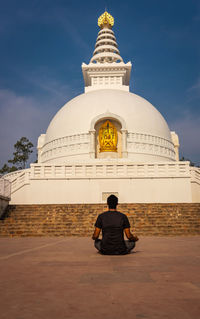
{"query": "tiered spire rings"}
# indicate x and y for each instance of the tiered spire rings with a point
(106, 69)
(106, 48)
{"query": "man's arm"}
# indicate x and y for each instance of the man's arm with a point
(96, 233)
(129, 235)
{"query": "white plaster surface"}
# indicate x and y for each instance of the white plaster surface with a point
(195, 183)
(76, 116)
(90, 191)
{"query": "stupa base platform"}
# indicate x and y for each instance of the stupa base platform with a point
(94, 181)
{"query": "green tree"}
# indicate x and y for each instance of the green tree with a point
(6, 169)
(186, 159)
(23, 149)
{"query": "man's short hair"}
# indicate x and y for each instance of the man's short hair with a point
(112, 201)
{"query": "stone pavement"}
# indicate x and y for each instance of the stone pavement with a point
(66, 278)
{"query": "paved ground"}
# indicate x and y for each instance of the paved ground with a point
(66, 278)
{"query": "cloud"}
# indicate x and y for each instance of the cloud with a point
(22, 116)
(47, 85)
(196, 86)
(188, 129)
(194, 91)
(66, 24)
(44, 13)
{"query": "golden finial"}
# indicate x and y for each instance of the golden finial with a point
(105, 19)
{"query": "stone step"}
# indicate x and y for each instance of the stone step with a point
(78, 220)
(84, 223)
(161, 209)
(25, 211)
(147, 210)
(20, 234)
(88, 226)
(134, 216)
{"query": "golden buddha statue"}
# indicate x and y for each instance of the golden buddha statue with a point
(108, 137)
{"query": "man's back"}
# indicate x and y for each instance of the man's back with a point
(112, 224)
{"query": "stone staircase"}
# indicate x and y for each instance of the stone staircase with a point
(79, 219)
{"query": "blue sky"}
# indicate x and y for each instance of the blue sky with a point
(44, 42)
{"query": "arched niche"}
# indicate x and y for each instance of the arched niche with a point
(95, 127)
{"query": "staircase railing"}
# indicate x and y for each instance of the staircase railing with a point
(11, 176)
(20, 180)
(195, 174)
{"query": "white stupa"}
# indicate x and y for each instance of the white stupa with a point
(107, 140)
(143, 134)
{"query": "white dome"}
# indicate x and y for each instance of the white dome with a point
(77, 118)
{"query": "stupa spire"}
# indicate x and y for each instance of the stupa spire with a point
(106, 69)
(106, 48)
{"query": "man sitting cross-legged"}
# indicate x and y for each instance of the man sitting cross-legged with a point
(113, 225)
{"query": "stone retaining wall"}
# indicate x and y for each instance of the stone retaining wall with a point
(79, 219)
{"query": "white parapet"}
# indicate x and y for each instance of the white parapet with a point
(110, 170)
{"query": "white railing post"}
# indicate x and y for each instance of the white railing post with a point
(124, 143)
(92, 143)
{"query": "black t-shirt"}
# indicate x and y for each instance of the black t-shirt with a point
(112, 224)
